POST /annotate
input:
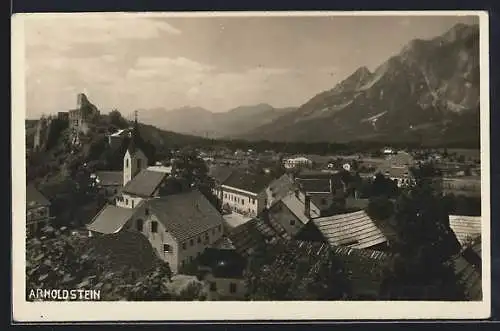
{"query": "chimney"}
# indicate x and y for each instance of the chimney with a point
(307, 206)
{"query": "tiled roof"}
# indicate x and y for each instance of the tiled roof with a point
(220, 173)
(465, 227)
(248, 181)
(125, 249)
(314, 185)
(186, 214)
(356, 230)
(297, 207)
(145, 183)
(111, 219)
(110, 178)
(252, 235)
(469, 274)
(35, 198)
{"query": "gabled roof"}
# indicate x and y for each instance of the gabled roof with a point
(185, 215)
(248, 181)
(297, 207)
(220, 173)
(252, 235)
(121, 250)
(145, 183)
(109, 178)
(356, 230)
(469, 273)
(466, 228)
(35, 198)
(111, 219)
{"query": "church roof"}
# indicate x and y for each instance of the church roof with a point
(185, 215)
(145, 183)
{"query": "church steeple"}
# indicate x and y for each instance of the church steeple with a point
(134, 160)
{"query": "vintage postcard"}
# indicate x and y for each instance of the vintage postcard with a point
(250, 166)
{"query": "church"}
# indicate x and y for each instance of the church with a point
(178, 226)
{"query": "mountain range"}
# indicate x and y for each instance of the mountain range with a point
(429, 92)
(202, 122)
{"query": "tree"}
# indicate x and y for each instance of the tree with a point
(380, 208)
(190, 171)
(424, 246)
(116, 119)
(383, 186)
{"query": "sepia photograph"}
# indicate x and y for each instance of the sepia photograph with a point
(256, 166)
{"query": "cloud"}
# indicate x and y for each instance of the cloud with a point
(62, 32)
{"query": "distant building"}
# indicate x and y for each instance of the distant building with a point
(63, 116)
(116, 139)
(244, 192)
(297, 162)
(37, 210)
(279, 188)
(397, 168)
(466, 185)
(110, 182)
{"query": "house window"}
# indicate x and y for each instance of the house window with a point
(154, 227)
(213, 286)
(206, 235)
(126, 163)
(140, 225)
(253, 201)
(184, 246)
(167, 248)
(292, 222)
(126, 202)
(232, 287)
(191, 242)
(199, 240)
(242, 202)
(146, 212)
(132, 203)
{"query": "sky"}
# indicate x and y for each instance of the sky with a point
(134, 61)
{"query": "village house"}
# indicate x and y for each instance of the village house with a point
(244, 192)
(297, 162)
(222, 271)
(219, 173)
(466, 185)
(292, 213)
(397, 168)
(37, 210)
(109, 182)
(116, 139)
(178, 226)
